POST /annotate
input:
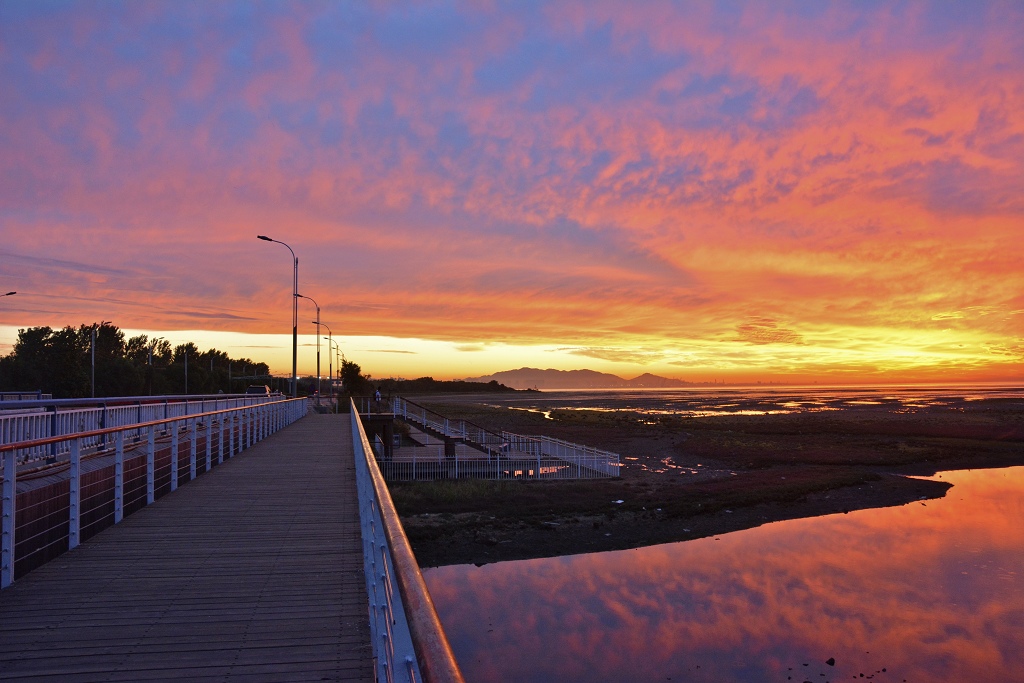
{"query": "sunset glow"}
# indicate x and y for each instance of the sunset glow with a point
(739, 191)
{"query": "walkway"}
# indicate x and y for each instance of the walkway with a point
(252, 572)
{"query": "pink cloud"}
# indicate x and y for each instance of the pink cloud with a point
(837, 165)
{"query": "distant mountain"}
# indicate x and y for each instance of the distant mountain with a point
(550, 379)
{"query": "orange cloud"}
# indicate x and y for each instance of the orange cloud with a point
(647, 179)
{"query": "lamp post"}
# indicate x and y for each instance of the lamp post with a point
(295, 315)
(92, 347)
(317, 322)
(330, 365)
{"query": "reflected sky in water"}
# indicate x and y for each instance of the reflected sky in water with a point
(728, 401)
(931, 591)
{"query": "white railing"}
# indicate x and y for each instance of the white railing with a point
(492, 455)
(432, 464)
(580, 456)
(409, 644)
(44, 527)
(64, 418)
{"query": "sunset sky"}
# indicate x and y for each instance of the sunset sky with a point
(734, 191)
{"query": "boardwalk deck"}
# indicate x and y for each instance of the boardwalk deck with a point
(253, 571)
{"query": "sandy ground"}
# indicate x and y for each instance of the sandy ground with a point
(688, 477)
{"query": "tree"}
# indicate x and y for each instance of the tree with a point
(352, 380)
(60, 362)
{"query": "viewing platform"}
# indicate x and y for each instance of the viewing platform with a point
(253, 571)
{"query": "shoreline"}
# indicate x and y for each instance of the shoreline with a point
(687, 478)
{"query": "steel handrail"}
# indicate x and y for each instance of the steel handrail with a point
(119, 400)
(22, 445)
(254, 422)
(433, 652)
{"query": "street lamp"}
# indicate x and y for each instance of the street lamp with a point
(92, 346)
(330, 366)
(317, 322)
(295, 315)
(9, 294)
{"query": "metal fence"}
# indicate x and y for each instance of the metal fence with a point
(127, 468)
(34, 420)
(472, 451)
(409, 643)
(586, 459)
(24, 396)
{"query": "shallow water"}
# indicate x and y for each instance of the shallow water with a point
(705, 402)
(930, 591)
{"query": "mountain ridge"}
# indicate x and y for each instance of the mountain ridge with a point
(536, 378)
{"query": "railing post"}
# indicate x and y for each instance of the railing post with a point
(75, 490)
(150, 465)
(118, 477)
(53, 432)
(10, 490)
(209, 442)
(231, 434)
(193, 434)
(174, 455)
(220, 439)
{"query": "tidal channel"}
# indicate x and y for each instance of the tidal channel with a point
(927, 592)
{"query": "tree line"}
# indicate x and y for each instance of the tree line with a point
(60, 362)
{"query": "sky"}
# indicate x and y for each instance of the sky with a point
(733, 191)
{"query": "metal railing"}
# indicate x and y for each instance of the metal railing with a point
(489, 454)
(24, 396)
(584, 458)
(433, 465)
(42, 419)
(409, 643)
(141, 462)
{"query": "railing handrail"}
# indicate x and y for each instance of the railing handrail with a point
(483, 430)
(251, 422)
(433, 652)
(561, 442)
(119, 400)
(22, 445)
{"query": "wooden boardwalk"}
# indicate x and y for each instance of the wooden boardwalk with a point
(252, 572)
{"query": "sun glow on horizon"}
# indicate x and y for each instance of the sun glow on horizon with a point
(745, 191)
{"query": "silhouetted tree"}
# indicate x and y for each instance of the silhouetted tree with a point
(59, 362)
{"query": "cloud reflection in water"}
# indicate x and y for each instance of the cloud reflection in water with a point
(929, 592)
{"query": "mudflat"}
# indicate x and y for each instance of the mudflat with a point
(686, 475)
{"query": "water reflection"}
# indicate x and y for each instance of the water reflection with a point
(926, 592)
(758, 401)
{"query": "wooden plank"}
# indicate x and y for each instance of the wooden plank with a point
(253, 571)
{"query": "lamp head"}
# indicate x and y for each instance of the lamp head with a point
(264, 238)
(10, 293)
